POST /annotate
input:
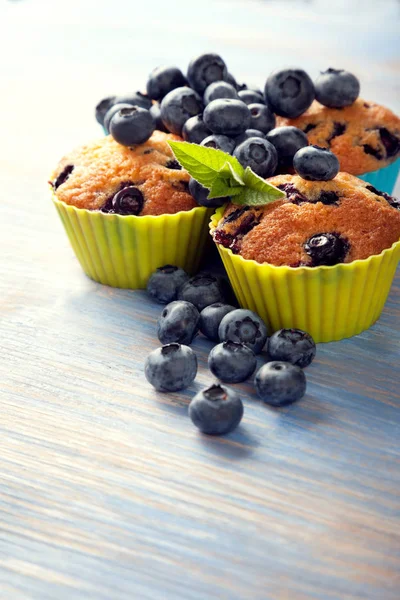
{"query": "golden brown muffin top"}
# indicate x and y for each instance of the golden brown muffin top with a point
(91, 175)
(364, 136)
(364, 220)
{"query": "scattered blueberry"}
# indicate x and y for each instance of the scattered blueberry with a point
(111, 112)
(251, 97)
(127, 201)
(200, 194)
(336, 88)
(155, 112)
(133, 125)
(337, 130)
(163, 80)
(280, 383)
(219, 142)
(287, 141)
(178, 106)
(206, 69)
(164, 283)
(171, 368)
(102, 107)
(232, 362)
(261, 117)
(179, 322)
(258, 154)
(202, 290)
(211, 317)
(63, 176)
(136, 99)
(230, 79)
(194, 130)
(326, 249)
(242, 325)
(219, 89)
(248, 134)
(227, 116)
(292, 345)
(316, 164)
(289, 92)
(390, 142)
(216, 410)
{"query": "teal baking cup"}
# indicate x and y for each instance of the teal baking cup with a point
(383, 179)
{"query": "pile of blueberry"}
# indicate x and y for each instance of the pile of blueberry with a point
(208, 107)
(199, 304)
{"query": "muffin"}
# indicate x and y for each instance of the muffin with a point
(127, 210)
(364, 136)
(322, 259)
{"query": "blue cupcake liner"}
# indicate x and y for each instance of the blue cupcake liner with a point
(383, 179)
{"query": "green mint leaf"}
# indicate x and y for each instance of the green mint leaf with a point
(229, 172)
(256, 183)
(221, 188)
(249, 197)
(202, 163)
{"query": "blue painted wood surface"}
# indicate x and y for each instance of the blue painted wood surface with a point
(107, 492)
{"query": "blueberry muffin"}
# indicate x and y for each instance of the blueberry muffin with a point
(141, 180)
(318, 223)
(364, 136)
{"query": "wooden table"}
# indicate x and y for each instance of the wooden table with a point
(107, 491)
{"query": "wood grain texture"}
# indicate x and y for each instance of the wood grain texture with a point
(107, 492)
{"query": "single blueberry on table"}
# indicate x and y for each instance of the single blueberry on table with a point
(326, 249)
(216, 410)
(194, 130)
(102, 107)
(232, 362)
(316, 164)
(242, 325)
(258, 154)
(219, 142)
(289, 92)
(248, 134)
(200, 193)
(136, 99)
(111, 112)
(164, 283)
(280, 383)
(171, 368)
(336, 88)
(261, 117)
(163, 80)
(155, 112)
(211, 317)
(206, 69)
(287, 141)
(227, 116)
(219, 89)
(292, 345)
(202, 290)
(131, 126)
(178, 106)
(179, 322)
(251, 97)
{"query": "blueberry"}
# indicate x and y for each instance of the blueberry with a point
(163, 80)
(316, 164)
(164, 283)
(242, 325)
(178, 106)
(232, 362)
(227, 116)
(336, 88)
(194, 130)
(280, 383)
(251, 97)
(259, 155)
(136, 99)
(63, 176)
(292, 345)
(289, 92)
(111, 112)
(171, 368)
(127, 201)
(102, 107)
(130, 126)
(248, 134)
(202, 290)
(220, 142)
(219, 89)
(179, 322)
(206, 69)
(287, 141)
(261, 117)
(326, 249)
(200, 194)
(211, 317)
(155, 112)
(216, 410)
(230, 79)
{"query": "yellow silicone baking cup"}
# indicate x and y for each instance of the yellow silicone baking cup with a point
(123, 251)
(331, 303)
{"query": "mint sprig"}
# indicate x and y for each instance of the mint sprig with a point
(223, 175)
